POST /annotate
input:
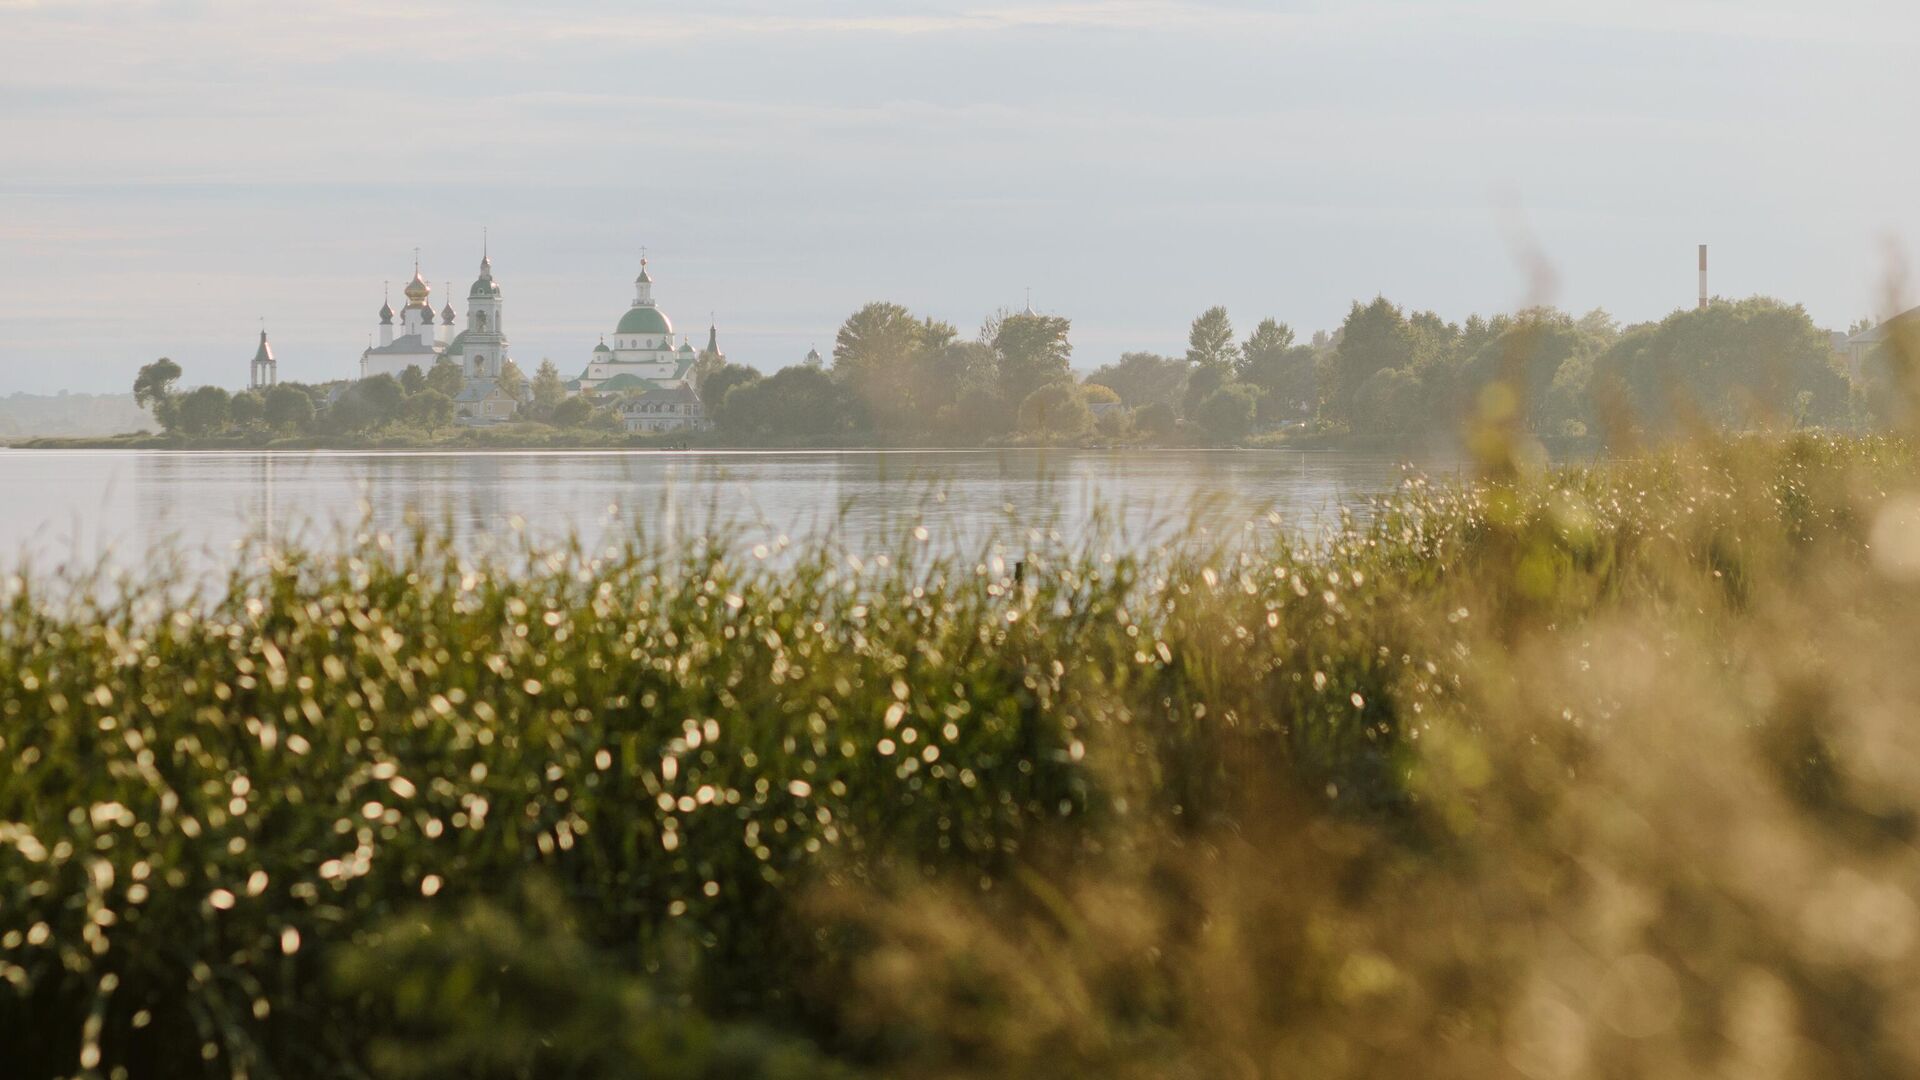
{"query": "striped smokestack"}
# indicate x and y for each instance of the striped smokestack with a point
(1703, 277)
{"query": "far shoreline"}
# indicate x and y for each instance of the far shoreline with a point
(1558, 447)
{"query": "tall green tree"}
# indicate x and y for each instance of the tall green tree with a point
(1056, 410)
(944, 377)
(1227, 414)
(720, 382)
(1202, 382)
(288, 408)
(1142, 378)
(203, 410)
(153, 389)
(512, 379)
(413, 380)
(874, 353)
(1210, 340)
(1033, 351)
(549, 389)
(446, 377)
(1282, 372)
(247, 408)
(382, 396)
(1268, 342)
(1375, 337)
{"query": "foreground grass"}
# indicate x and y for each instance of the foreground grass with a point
(1607, 772)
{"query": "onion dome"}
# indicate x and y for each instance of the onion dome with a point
(417, 290)
(446, 315)
(386, 314)
(644, 278)
(602, 347)
(813, 358)
(686, 346)
(644, 320)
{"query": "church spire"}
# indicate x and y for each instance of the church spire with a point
(643, 285)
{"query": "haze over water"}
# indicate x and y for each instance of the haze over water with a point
(78, 507)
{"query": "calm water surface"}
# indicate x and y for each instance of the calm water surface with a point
(79, 507)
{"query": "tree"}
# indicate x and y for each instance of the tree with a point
(713, 392)
(153, 389)
(1156, 419)
(512, 379)
(247, 407)
(574, 412)
(413, 380)
(795, 403)
(1734, 364)
(1201, 383)
(978, 415)
(1210, 341)
(1227, 414)
(1282, 371)
(203, 411)
(1033, 352)
(382, 396)
(1055, 409)
(549, 390)
(288, 408)
(1142, 378)
(947, 375)
(446, 377)
(1375, 337)
(428, 409)
(1095, 394)
(1528, 351)
(875, 353)
(1269, 342)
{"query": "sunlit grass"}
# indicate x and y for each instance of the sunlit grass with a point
(1314, 808)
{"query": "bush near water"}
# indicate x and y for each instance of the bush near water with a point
(1597, 772)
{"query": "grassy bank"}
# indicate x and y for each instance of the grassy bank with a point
(1598, 772)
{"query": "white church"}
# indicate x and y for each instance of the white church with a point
(481, 349)
(642, 364)
(642, 355)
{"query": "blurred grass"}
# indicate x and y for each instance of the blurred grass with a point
(1587, 772)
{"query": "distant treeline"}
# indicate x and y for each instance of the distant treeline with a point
(898, 378)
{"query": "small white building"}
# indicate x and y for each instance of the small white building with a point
(661, 409)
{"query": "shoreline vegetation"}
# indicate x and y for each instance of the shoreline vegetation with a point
(1387, 377)
(516, 437)
(1572, 772)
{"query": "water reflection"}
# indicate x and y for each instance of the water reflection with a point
(80, 506)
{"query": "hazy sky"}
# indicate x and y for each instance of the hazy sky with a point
(172, 172)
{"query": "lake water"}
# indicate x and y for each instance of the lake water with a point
(76, 508)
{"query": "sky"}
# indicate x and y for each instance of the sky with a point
(172, 174)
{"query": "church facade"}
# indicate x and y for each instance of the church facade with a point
(480, 348)
(642, 355)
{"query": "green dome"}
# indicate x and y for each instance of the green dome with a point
(644, 320)
(458, 346)
(602, 347)
(483, 289)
